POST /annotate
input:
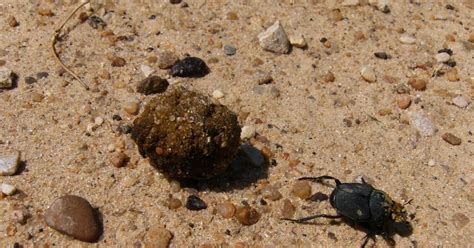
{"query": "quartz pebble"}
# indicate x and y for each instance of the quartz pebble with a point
(146, 70)
(152, 85)
(195, 203)
(247, 132)
(368, 74)
(271, 193)
(301, 189)
(9, 164)
(8, 189)
(226, 209)
(254, 155)
(423, 124)
(381, 5)
(442, 57)
(451, 139)
(247, 215)
(460, 101)
(287, 209)
(74, 216)
(403, 101)
(298, 41)
(6, 78)
(217, 94)
(407, 39)
(274, 39)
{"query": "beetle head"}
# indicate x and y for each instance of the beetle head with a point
(399, 214)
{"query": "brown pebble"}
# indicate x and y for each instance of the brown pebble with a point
(271, 193)
(158, 236)
(267, 153)
(131, 107)
(118, 61)
(287, 209)
(329, 77)
(166, 60)
(37, 97)
(460, 220)
(119, 159)
(152, 59)
(403, 101)
(174, 203)
(232, 16)
(451, 139)
(104, 74)
(301, 189)
(226, 209)
(2, 62)
(293, 163)
(262, 77)
(418, 84)
(452, 75)
(246, 215)
(12, 22)
(74, 216)
(471, 38)
(45, 12)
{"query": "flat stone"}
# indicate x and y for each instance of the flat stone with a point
(423, 124)
(407, 39)
(262, 77)
(274, 39)
(6, 78)
(217, 94)
(9, 164)
(451, 139)
(460, 101)
(74, 216)
(349, 3)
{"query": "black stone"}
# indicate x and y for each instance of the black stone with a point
(152, 85)
(381, 55)
(190, 67)
(195, 203)
(116, 117)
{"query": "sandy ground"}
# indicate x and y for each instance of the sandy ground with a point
(305, 122)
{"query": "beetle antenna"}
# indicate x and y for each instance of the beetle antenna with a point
(408, 202)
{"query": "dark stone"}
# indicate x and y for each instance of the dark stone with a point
(96, 22)
(229, 50)
(30, 80)
(175, 1)
(323, 40)
(450, 7)
(382, 55)
(451, 63)
(152, 85)
(42, 74)
(190, 67)
(116, 117)
(446, 50)
(195, 203)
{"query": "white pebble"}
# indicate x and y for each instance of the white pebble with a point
(99, 120)
(274, 39)
(368, 74)
(8, 189)
(9, 164)
(146, 70)
(298, 41)
(247, 132)
(407, 39)
(431, 162)
(349, 3)
(460, 101)
(442, 57)
(217, 94)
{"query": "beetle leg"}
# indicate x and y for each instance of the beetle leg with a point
(366, 239)
(319, 179)
(304, 219)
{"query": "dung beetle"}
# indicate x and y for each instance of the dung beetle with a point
(362, 204)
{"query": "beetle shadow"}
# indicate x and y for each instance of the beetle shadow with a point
(403, 229)
(240, 174)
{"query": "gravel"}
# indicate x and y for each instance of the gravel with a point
(275, 39)
(9, 164)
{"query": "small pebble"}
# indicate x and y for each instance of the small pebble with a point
(368, 74)
(229, 50)
(402, 89)
(174, 203)
(189, 67)
(452, 75)
(157, 236)
(118, 61)
(6, 78)
(37, 97)
(152, 85)
(271, 193)
(301, 189)
(132, 107)
(298, 41)
(403, 101)
(9, 164)
(274, 39)
(217, 94)
(329, 77)
(254, 155)
(195, 203)
(418, 84)
(146, 70)
(431, 162)
(262, 77)
(99, 120)
(119, 160)
(104, 74)
(247, 132)
(288, 209)
(460, 101)
(166, 60)
(30, 80)
(442, 57)
(451, 139)
(423, 124)
(96, 22)
(407, 39)
(42, 74)
(247, 215)
(8, 189)
(460, 220)
(226, 209)
(12, 22)
(381, 55)
(20, 216)
(74, 216)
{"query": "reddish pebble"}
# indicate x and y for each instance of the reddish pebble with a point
(418, 84)
(119, 160)
(451, 139)
(403, 101)
(118, 61)
(288, 209)
(246, 215)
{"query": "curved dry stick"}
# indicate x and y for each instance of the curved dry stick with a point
(55, 39)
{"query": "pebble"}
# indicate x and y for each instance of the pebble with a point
(287, 209)
(189, 67)
(229, 50)
(152, 85)
(12, 22)
(381, 5)
(195, 203)
(423, 124)
(301, 189)
(217, 94)
(226, 209)
(8, 189)
(30, 80)
(402, 89)
(247, 215)
(271, 193)
(451, 139)
(174, 203)
(6, 78)
(119, 160)
(381, 55)
(262, 77)
(157, 236)
(460, 220)
(132, 107)
(42, 74)
(247, 132)
(460, 101)
(368, 74)
(118, 61)
(167, 59)
(274, 39)
(431, 162)
(254, 155)
(350, 3)
(403, 101)
(452, 75)
(74, 216)
(146, 70)
(418, 84)
(96, 22)
(37, 97)
(407, 39)
(9, 164)
(442, 57)
(298, 41)
(329, 77)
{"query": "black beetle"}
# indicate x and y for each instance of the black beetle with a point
(362, 204)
